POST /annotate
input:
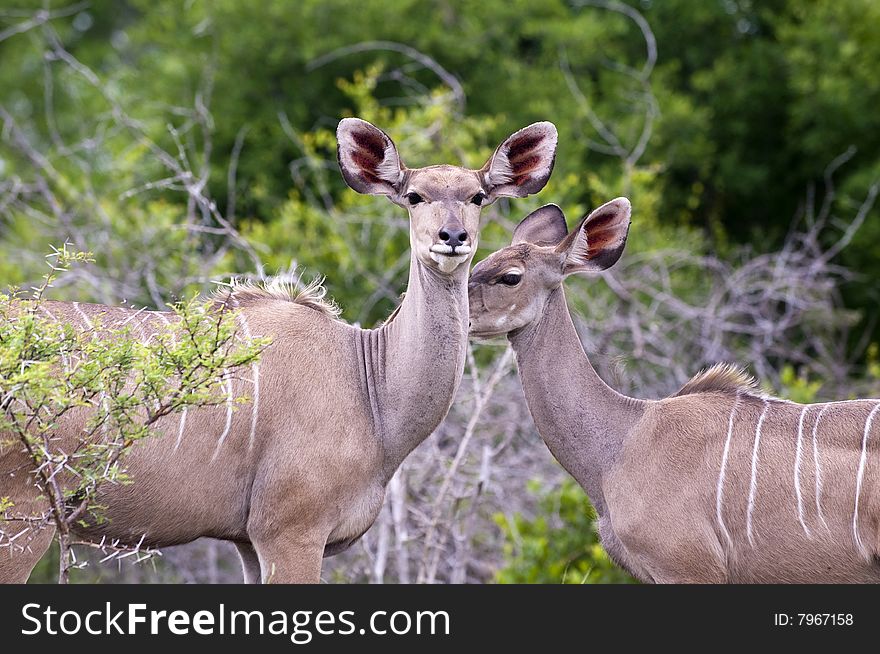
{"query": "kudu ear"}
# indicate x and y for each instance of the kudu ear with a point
(545, 226)
(368, 158)
(522, 164)
(598, 242)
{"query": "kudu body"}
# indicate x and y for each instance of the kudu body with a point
(300, 471)
(718, 483)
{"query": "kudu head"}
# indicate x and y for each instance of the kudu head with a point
(509, 289)
(444, 201)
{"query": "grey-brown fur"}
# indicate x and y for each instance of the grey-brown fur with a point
(673, 480)
(301, 473)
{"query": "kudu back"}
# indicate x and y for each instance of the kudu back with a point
(299, 472)
(718, 483)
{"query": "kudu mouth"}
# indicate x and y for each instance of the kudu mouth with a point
(483, 334)
(449, 257)
(450, 250)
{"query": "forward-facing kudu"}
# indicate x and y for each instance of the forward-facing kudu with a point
(300, 471)
(718, 483)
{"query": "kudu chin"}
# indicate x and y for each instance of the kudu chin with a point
(300, 471)
(718, 483)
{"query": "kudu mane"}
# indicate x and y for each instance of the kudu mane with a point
(726, 378)
(246, 293)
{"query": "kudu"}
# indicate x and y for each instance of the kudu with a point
(301, 472)
(718, 483)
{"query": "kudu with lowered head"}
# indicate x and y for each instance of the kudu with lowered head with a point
(300, 472)
(718, 483)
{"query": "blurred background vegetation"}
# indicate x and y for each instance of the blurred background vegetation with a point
(185, 141)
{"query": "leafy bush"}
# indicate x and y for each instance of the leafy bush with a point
(51, 369)
(558, 546)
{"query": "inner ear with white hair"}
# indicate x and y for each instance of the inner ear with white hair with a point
(598, 241)
(368, 158)
(522, 164)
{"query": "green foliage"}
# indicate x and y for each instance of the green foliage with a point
(50, 370)
(797, 387)
(560, 545)
(754, 100)
(873, 358)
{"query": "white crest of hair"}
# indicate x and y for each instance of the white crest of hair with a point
(753, 486)
(719, 493)
(723, 377)
(797, 470)
(287, 286)
(860, 478)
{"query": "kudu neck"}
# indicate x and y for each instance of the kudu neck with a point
(417, 359)
(583, 421)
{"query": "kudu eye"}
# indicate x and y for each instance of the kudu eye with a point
(414, 198)
(478, 198)
(510, 279)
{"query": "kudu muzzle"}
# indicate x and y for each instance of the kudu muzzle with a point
(452, 238)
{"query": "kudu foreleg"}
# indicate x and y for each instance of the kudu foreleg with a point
(250, 563)
(287, 560)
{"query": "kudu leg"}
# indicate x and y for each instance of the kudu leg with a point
(17, 560)
(250, 563)
(285, 560)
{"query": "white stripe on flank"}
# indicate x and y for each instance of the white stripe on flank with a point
(720, 490)
(64, 358)
(256, 398)
(797, 471)
(180, 428)
(102, 396)
(229, 402)
(182, 424)
(131, 317)
(83, 314)
(145, 338)
(753, 487)
(861, 476)
(818, 466)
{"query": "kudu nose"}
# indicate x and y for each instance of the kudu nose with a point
(453, 236)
